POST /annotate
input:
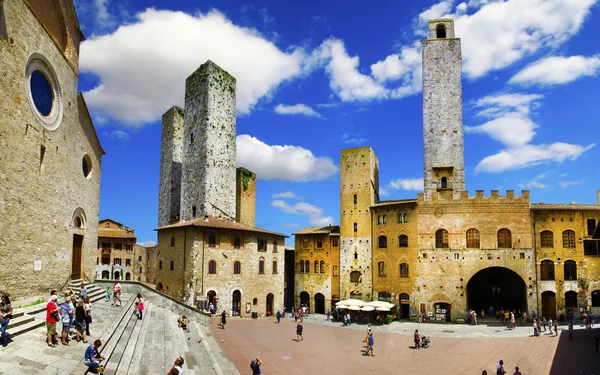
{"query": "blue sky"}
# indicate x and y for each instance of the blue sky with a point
(315, 77)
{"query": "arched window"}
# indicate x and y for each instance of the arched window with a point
(441, 238)
(504, 238)
(212, 267)
(570, 270)
(547, 239)
(569, 239)
(355, 227)
(355, 277)
(473, 239)
(401, 217)
(128, 276)
(571, 299)
(301, 270)
(274, 246)
(403, 240)
(444, 180)
(382, 242)
(261, 265)
(160, 265)
(306, 266)
(596, 298)
(212, 240)
(440, 31)
(381, 269)
(322, 266)
(316, 269)
(404, 270)
(237, 268)
(355, 199)
(275, 265)
(77, 222)
(547, 270)
(356, 255)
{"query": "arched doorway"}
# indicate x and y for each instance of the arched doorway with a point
(76, 258)
(128, 276)
(549, 304)
(117, 275)
(497, 287)
(571, 303)
(106, 275)
(159, 286)
(319, 303)
(304, 299)
(211, 298)
(269, 304)
(404, 306)
(236, 303)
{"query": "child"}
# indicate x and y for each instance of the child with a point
(108, 293)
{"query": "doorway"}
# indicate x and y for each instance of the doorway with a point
(319, 303)
(498, 287)
(549, 305)
(117, 275)
(304, 299)
(76, 262)
(404, 306)
(236, 303)
(269, 304)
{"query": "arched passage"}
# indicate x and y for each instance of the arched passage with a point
(269, 304)
(236, 302)
(304, 299)
(404, 305)
(319, 303)
(497, 287)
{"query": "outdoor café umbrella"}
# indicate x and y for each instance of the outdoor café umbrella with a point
(351, 302)
(367, 308)
(354, 308)
(340, 306)
(383, 309)
(380, 304)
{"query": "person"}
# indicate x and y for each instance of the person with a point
(255, 366)
(177, 366)
(474, 315)
(116, 293)
(491, 310)
(223, 319)
(82, 290)
(296, 316)
(93, 358)
(108, 293)
(299, 332)
(140, 308)
(348, 320)
(183, 323)
(512, 320)
(550, 325)
(80, 321)
(544, 323)
(66, 313)
(484, 372)
(370, 344)
(6, 311)
(570, 330)
(211, 308)
(328, 314)
(517, 372)
(417, 339)
(52, 316)
(500, 368)
(88, 314)
(592, 319)
(535, 328)
(556, 327)
(597, 341)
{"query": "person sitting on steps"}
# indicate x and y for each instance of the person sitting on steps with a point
(93, 358)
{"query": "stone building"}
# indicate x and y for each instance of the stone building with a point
(151, 265)
(51, 156)
(446, 251)
(209, 249)
(116, 255)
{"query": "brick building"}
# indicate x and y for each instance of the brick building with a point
(116, 256)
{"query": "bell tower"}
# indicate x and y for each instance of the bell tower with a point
(442, 110)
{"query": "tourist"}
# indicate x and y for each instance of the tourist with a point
(570, 330)
(223, 319)
(66, 317)
(517, 372)
(140, 308)
(211, 308)
(88, 314)
(591, 319)
(183, 323)
(52, 316)
(82, 290)
(417, 339)
(535, 328)
(72, 306)
(544, 323)
(491, 310)
(93, 358)
(370, 344)
(177, 366)
(328, 314)
(512, 320)
(296, 314)
(474, 316)
(506, 315)
(6, 311)
(80, 321)
(556, 327)
(116, 293)
(348, 319)
(524, 317)
(108, 293)
(597, 341)
(550, 325)
(299, 329)
(500, 368)
(278, 316)
(255, 366)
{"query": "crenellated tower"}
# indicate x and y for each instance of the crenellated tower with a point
(171, 158)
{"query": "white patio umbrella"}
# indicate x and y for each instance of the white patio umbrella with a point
(342, 306)
(367, 308)
(380, 304)
(351, 302)
(383, 309)
(354, 308)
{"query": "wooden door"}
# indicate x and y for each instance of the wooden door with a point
(549, 305)
(76, 266)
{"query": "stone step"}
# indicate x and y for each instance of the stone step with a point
(26, 327)
(129, 347)
(15, 322)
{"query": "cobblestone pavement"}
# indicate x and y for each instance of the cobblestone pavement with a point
(328, 348)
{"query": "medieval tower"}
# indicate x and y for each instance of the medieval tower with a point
(359, 180)
(442, 110)
(171, 159)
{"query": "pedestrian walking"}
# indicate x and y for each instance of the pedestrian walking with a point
(500, 369)
(597, 341)
(570, 330)
(52, 316)
(328, 314)
(278, 316)
(517, 372)
(6, 311)
(535, 328)
(592, 319)
(140, 308)
(512, 320)
(255, 366)
(66, 315)
(556, 327)
(93, 358)
(550, 325)
(223, 319)
(117, 293)
(417, 339)
(108, 294)
(370, 344)
(299, 330)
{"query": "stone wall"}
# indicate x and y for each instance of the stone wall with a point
(245, 197)
(209, 150)
(171, 159)
(42, 183)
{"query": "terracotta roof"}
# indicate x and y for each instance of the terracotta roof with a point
(214, 222)
(112, 233)
(332, 230)
(390, 203)
(564, 206)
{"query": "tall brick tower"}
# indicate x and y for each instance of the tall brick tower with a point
(171, 158)
(442, 110)
(208, 176)
(359, 180)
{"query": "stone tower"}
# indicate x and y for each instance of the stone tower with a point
(359, 180)
(171, 158)
(442, 110)
(207, 181)
(245, 201)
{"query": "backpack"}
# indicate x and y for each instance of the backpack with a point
(500, 370)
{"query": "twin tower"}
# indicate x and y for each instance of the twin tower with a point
(198, 174)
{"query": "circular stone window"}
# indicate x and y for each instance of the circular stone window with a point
(44, 91)
(86, 165)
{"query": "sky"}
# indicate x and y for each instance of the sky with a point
(315, 77)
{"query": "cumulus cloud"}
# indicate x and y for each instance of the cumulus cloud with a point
(296, 109)
(512, 129)
(411, 184)
(556, 70)
(383, 192)
(142, 66)
(313, 213)
(536, 183)
(436, 11)
(287, 195)
(283, 163)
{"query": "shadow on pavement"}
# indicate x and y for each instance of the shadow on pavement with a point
(574, 356)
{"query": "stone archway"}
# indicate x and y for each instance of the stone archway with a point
(304, 299)
(319, 303)
(498, 287)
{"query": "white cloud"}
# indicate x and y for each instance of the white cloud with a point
(287, 195)
(142, 66)
(411, 184)
(147, 243)
(284, 163)
(314, 213)
(103, 17)
(512, 129)
(565, 184)
(383, 192)
(504, 103)
(348, 139)
(436, 11)
(296, 109)
(556, 70)
(118, 134)
(536, 182)
(289, 225)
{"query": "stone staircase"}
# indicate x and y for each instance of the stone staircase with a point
(33, 317)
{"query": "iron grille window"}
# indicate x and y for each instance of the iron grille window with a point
(569, 239)
(547, 239)
(441, 238)
(316, 269)
(570, 270)
(322, 266)
(473, 239)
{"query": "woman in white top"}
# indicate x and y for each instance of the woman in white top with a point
(87, 305)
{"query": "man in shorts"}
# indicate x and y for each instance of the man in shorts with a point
(52, 316)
